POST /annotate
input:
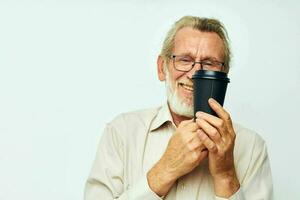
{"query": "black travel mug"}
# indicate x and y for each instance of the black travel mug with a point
(208, 84)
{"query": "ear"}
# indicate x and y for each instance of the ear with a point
(160, 68)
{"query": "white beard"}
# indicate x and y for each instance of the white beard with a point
(177, 105)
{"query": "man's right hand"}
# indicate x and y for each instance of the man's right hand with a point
(184, 152)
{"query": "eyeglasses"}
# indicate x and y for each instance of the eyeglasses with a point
(185, 63)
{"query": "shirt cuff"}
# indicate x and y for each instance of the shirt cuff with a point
(141, 190)
(236, 196)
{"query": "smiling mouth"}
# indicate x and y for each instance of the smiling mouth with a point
(187, 87)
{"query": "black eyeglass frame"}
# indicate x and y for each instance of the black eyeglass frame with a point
(201, 62)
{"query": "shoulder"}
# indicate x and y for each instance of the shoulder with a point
(249, 148)
(136, 116)
(250, 153)
(133, 122)
(247, 137)
(248, 142)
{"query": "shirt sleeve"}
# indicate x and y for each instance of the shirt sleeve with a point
(257, 184)
(236, 196)
(106, 179)
(142, 191)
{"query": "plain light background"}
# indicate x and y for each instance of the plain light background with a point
(69, 67)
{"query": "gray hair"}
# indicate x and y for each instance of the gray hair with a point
(201, 24)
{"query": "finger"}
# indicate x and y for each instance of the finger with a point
(213, 120)
(211, 131)
(202, 155)
(208, 143)
(221, 112)
(191, 127)
(194, 144)
(202, 147)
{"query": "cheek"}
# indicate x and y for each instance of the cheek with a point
(175, 75)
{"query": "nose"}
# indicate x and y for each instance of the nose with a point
(196, 67)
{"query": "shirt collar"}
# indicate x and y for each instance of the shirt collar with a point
(162, 117)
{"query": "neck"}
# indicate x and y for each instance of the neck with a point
(177, 119)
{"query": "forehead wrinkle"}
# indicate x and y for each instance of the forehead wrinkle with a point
(190, 46)
(204, 46)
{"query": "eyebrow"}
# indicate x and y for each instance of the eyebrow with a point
(209, 58)
(204, 58)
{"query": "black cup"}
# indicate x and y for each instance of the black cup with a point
(208, 84)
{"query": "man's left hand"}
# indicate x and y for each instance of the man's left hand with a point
(218, 135)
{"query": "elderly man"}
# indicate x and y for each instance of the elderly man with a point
(163, 153)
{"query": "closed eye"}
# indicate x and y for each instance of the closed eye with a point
(208, 62)
(186, 59)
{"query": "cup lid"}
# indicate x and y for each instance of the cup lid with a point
(208, 74)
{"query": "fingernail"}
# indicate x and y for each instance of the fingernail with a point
(211, 100)
(199, 114)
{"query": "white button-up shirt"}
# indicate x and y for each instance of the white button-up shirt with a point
(133, 142)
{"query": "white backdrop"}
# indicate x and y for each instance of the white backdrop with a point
(68, 67)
